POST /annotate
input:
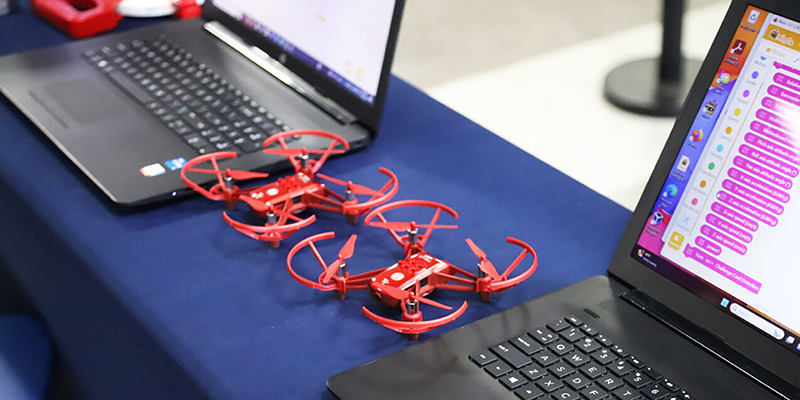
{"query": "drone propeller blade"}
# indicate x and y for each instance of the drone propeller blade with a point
(332, 179)
(349, 247)
(392, 291)
(432, 303)
(475, 249)
(356, 188)
(485, 265)
(331, 270)
(404, 226)
(285, 152)
(243, 175)
(488, 268)
(256, 205)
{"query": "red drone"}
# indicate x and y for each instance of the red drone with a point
(278, 202)
(408, 282)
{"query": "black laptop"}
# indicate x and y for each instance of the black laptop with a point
(701, 299)
(129, 109)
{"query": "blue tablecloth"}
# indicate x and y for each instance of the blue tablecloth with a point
(169, 302)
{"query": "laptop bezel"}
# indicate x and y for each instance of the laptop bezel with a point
(740, 337)
(367, 114)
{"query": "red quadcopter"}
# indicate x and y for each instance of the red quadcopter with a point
(277, 203)
(408, 282)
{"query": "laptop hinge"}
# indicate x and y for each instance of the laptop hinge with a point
(279, 71)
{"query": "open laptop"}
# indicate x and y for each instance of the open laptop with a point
(700, 300)
(130, 108)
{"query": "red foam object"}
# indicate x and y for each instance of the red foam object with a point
(79, 18)
(185, 9)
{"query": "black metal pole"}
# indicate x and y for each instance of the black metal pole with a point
(671, 57)
(659, 86)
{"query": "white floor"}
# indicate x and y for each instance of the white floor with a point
(552, 106)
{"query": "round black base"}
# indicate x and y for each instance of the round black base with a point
(636, 87)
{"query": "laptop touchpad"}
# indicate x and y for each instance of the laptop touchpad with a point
(84, 101)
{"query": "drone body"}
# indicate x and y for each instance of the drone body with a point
(409, 282)
(279, 202)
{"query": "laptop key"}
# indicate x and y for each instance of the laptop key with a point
(511, 355)
(652, 373)
(578, 381)
(549, 384)
(561, 369)
(526, 345)
(572, 335)
(497, 368)
(593, 370)
(577, 359)
(557, 325)
(621, 368)
(533, 372)
(609, 382)
(655, 391)
(513, 380)
(249, 147)
(620, 351)
(574, 320)
(529, 392)
(545, 358)
(565, 394)
(604, 356)
(636, 362)
(672, 387)
(561, 347)
(588, 345)
(206, 149)
(638, 379)
(223, 146)
(594, 392)
(604, 340)
(588, 330)
(482, 358)
(626, 393)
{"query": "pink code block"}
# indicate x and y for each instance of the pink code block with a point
(759, 185)
(769, 160)
(747, 208)
(787, 81)
(708, 245)
(752, 196)
(774, 134)
(723, 269)
(734, 216)
(729, 228)
(723, 239)
(763, 172)
(772, 148)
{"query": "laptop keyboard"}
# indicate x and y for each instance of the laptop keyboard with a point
(190, 99)
(569, 360)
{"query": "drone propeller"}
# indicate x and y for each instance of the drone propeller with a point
(401, 294)
(404, 226)
(345, 253)
(354, 187)
(297, 152)
(244, 175)
(485, 265)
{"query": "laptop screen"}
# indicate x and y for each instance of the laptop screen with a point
(727, 220)
(344, 40)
